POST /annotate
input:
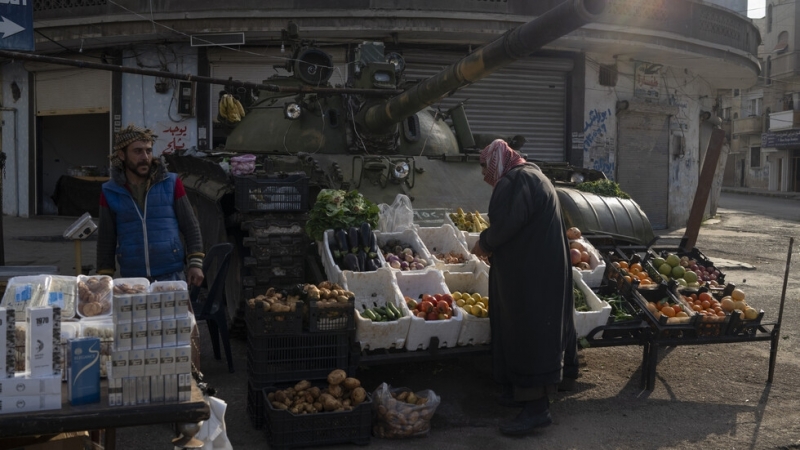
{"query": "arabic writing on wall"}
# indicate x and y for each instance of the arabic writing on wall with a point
(598, 146)
(175, 136)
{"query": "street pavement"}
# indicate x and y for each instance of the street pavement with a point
(38, 241)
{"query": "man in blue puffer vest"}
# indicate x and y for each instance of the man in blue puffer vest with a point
(143, 212)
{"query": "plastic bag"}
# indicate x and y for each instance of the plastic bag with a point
(25, 291)
(62, 291)
(396, 417)
(213, 431)
(131, 286)
(396, 217)
(243, 164)
(94, 295)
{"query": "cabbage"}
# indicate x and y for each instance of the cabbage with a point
(339, 209)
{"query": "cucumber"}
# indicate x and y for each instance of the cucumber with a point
(395, 310)
(368, 314)
(389, 313)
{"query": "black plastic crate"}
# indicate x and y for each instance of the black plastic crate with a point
(283, 265)
(272, 194)
(255, 405)
(277, 245)
(331, 317)
(291, 358)
(276, 281)
(261, 323)
(287, 430)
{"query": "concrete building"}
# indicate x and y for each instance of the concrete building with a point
(629, 95)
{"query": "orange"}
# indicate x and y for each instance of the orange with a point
(627, 278)
(705, 296)
(636, 266)
(668, 311)
(623, 265)
(677, 308)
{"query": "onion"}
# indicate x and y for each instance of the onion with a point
(395, 264)
(575, 256)
(573, 233)
(392, 258)
(585, 256)
(422, 262)
(409, 258)
(403, 265)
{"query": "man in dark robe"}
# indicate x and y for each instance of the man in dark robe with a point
(530, 284)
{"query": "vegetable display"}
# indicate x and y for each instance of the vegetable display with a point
(355, 249)
(400, 413)
(339, 209)
(388, 313)
(474, 304)
(604, 188)
(341, 394)
(400, 255)
(580, 300)
(617, 309)
(471, 222)
(431, 307)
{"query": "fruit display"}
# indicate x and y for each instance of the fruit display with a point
(400, 255)
(431, 307)
(355, 249)
(388, 313)
(402, 413)
(579, 255)
(450, 257)
(471, 222)
(341, 394)
(473, 303)
(327, 294)
(687, 271)
(671, 309)
(631, 272)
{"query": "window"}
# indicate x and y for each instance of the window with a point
(768, 71)
(735, 92)
(755, 107)
(769, 19)
(726, 113)
(783, 43)
(755, 157)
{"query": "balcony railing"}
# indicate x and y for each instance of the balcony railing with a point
(748, 125)
(784, 120)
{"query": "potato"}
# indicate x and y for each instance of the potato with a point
(314, 391)
(351, 383)
(403, 396)
(422, 401)
(335, 390)
(317, 406)
(411, 398)
(346, 402)
(296, 409)
(271, 396)
(302, 386)
(280, 396)
(336, 377)
(358, 396)
(382, 411)
(413, 417)
(279, 405)
(329, 403)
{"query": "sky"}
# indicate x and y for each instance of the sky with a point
(755, 8)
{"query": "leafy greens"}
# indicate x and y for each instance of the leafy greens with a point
(339, 209)
(604, 188)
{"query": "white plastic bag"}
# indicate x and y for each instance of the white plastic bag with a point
(213, 431)
(396, 217)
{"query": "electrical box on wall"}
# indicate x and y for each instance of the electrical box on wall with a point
(186, 98)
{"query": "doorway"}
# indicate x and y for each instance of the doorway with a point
(72, 162)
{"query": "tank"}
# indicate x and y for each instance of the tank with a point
(378, 134)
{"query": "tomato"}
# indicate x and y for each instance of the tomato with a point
(425, 306)
(705, 296)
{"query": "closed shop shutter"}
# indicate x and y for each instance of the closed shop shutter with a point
(72, 91)
(256, 65)
(643, 163)
(527, 97)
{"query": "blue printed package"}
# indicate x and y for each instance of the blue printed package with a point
(84, 370)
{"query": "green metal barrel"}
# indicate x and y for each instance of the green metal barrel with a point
(619, 218)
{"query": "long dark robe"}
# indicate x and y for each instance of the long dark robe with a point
(530, 280)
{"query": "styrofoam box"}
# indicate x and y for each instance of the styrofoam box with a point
(474, 330)
(445, 239)
(332, 270)
(600, 309)
(377, 289)
(414, 283)
(407, 236)
(593, 278)
(465, 236)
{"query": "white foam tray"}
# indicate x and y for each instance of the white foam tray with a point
(474, 330)
(378, 289)
(446, 239)
(585, 322)
(413, 284)
(594, 277)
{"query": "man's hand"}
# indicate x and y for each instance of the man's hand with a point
(478, 250)
(195, 276)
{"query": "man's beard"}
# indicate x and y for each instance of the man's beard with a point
(134, 168)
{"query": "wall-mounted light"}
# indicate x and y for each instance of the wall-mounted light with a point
(292, 111)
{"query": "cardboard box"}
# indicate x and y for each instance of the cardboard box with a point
(154, 306)
(123, 336)
(23, 385)
(167, 305)
(169, 333)
(136, 363)
(43, 341)
(181, 303)
(83, 376)
(154, 334)
(123, 308)
(139, 302)
(152, 362)
(183, 359)
(30, 403)
(184, 331)
(167, 360)
(8, 343)
(139, 341)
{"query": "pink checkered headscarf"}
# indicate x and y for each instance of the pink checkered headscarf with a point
(499, 158)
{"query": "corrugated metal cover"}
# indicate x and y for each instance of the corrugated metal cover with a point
(255, 66)
(72, 91)
(527, 97)
(616, 217)
(643, 163)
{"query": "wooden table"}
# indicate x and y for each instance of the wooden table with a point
(99, 416)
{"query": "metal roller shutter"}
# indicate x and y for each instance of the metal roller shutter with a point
(72, 91)
(527, 97)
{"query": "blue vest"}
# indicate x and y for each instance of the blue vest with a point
(148, 243)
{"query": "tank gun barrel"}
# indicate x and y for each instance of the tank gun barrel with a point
(513, 45)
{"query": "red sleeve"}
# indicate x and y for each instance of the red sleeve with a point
(179, 190)
(104, 202)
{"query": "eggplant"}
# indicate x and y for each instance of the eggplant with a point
(337, 255)
(376, 262)
(370, 265)
(352, 236)
(362, 260)
(365, 232)
(341, 239)
(372, 252)
(350, 262)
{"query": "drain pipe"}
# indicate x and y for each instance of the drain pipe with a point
(16, 153)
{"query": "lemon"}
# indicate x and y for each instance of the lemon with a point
(484, 313)
(456, 295)
(476, 296)
(469, 300)
(460, 302)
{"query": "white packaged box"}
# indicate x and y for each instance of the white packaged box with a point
(119, 364)
(181, 303)
(136, 363)
(154, 333)
(128, 391)
(139, 302)
(167, 360)
(43, 341)
(23, 385)
(157, 389)
(8, 342)
(184, 387)
(152, 362)
(169, 333)
(184, 330)
(123, 336)
(139, 341)
(123, 308)
(183, 359)
(167, 305)
(415, 283)
(142, 390)
(31, 403)
(111, 389)
(171, 388)
(594, 276)
(154, 306)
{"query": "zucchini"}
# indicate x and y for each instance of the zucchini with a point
(395, 310)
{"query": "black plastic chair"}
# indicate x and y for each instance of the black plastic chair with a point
(210, 305)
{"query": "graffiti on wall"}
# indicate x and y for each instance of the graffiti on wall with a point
(598, 147)
(171, 138)
(645, 82)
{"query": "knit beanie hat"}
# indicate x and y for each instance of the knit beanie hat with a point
(130, 134)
